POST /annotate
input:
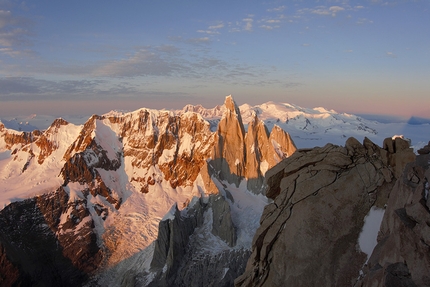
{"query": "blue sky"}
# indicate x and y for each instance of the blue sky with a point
(85, 57)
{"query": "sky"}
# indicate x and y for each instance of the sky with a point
(90, 57)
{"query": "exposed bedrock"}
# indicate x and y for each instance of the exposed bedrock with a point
(402, 255)
(178, 258)
(309, 235)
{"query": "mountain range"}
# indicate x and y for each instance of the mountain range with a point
(154, 197)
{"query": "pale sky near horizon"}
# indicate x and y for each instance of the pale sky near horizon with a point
(89, 57)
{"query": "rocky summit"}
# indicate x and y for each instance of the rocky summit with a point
(163, 198)
(131, 198)
(325, 199)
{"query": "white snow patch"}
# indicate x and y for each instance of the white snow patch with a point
(107, 139)
(264, 166)
(372, 223)
(37, 179)
(167, 156)
(74, 189)
(397, 136)
(171, 214)
(246, 211)
(224, 272)
(186, 144)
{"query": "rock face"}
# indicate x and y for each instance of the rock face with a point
(12, 138)
(31, 255)
(174, 261)
(309, 234)
(401, 257)
(239, 155)
(104, 186)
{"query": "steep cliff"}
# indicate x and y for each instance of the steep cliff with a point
(112, 180)
(309, 235)
(401, 257)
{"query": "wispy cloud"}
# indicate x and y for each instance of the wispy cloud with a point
(216, 27)
(362, 21)
(213, 29)
(248, 23)
(15, 34)
(193, 41)
(323, 10)
(277, 9)
(141, 63)
(210, 32)
(391, 55)
(30, 88)
(267, 27)
(169, 49)
(201, 40)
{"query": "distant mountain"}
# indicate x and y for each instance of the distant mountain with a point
(418, 121)
(310, 127)
(176, 198)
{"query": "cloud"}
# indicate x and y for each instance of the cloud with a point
(362, 21)
(273, 21)
(141, 63)
(15, 34)
(210, 32)
(248, 24)
(5, 18)
(267, 27)
(277, 9)
(16, 53)
(169, 49)
(30, 88)
(215, 27)
(18, 85)
(194, 41)
(335, 9)
(201, 40)
(391, 55)
(322, 10)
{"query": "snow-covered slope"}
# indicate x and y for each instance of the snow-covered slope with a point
(114, 189)
(310, 127)
(29, 168)
(107, 184)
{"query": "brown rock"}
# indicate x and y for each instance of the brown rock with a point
(404, 238)
(308, 235)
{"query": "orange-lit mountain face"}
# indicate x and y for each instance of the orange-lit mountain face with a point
(216, 197)
(92, 196)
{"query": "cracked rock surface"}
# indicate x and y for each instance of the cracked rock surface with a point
(309, 234)
(402, 255)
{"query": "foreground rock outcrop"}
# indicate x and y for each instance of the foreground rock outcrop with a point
(309, 234)
(402, 255)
